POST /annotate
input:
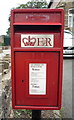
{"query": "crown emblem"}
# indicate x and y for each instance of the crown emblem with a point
(29, 41)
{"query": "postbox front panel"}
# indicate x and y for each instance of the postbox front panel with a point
(37, 57)
(34, 82)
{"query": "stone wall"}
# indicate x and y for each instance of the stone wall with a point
(66, 5)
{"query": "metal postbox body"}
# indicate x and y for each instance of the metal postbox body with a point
(37, 58)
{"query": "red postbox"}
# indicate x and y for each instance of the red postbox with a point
(37, 58)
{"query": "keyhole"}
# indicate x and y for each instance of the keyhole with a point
(22, 80)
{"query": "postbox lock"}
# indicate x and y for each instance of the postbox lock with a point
(22, 81)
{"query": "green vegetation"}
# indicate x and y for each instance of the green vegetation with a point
(62, 112)
(22, 113)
